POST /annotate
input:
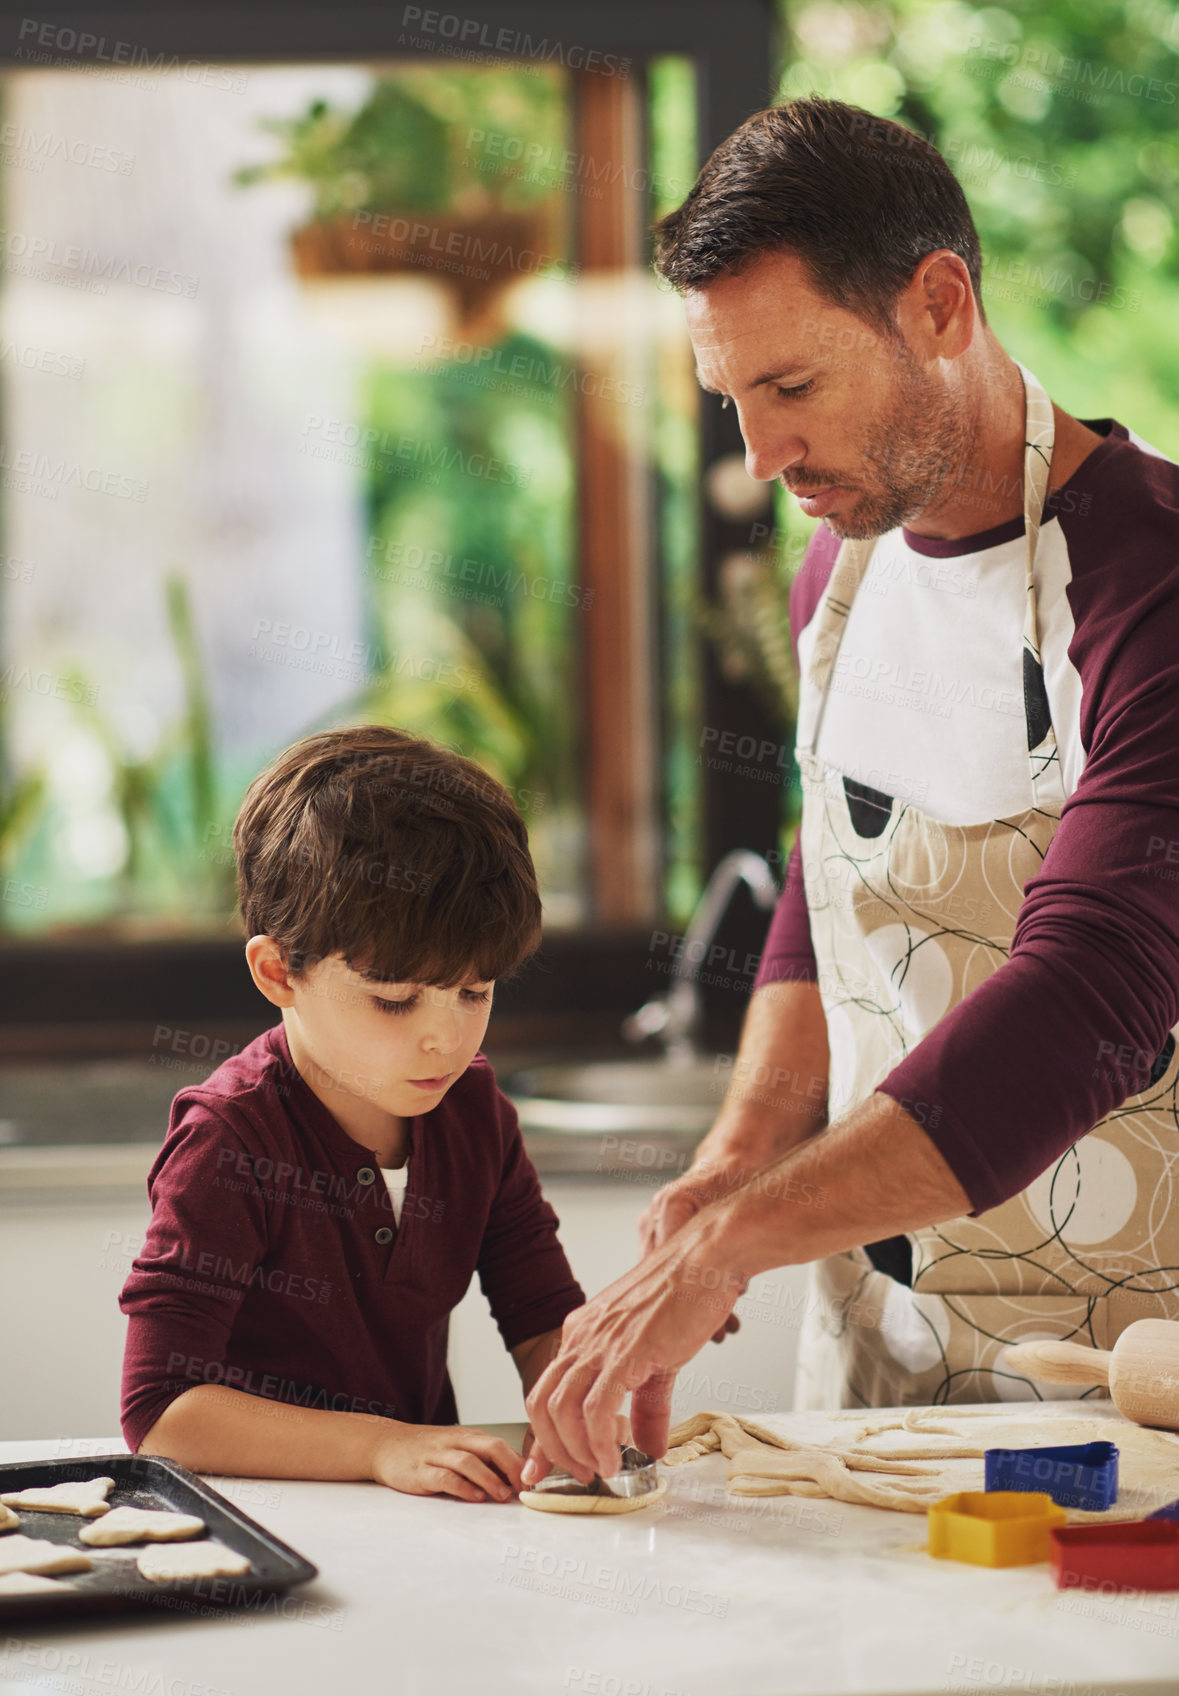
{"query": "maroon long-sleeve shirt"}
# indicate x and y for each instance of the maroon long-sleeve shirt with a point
(1078, 1017)
(273, 1263)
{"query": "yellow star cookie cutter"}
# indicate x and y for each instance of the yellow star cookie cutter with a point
(994, 1527)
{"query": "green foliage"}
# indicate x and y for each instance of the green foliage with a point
(472, 568)
(390, 152)
(1060, 119)
(424, 140)
(169, 803)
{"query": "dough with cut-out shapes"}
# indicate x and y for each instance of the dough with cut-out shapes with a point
(190, 1560)
(79, 1495)
(29, 1584)
(8, 1520)
(907, 1459)
(19, 1553)
(141, 1525)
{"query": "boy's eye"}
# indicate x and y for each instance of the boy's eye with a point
(474, 998)
(798, 391)
(393, 1006)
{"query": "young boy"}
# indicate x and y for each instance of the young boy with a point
(321, 1201)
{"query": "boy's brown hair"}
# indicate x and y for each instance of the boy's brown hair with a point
(406, 858)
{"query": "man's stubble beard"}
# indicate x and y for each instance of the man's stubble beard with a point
(917, 449)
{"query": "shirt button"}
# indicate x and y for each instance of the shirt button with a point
(383, 1235)
(366, 1175)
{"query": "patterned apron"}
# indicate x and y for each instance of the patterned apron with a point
(907, 916)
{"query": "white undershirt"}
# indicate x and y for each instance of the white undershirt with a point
(926, 697)
(396, 1178)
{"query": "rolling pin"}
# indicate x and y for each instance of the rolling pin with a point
(1141, 1370)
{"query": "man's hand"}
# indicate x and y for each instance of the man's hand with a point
(631, 1339)
(678, 1202)
(447, 1460)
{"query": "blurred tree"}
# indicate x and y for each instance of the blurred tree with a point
(1060, 119)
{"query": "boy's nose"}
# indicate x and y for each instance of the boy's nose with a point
(445, 1035)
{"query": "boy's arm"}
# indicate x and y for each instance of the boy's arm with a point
(523, 1271)
(212, 1429)
(208, 1232)
(532, 1357)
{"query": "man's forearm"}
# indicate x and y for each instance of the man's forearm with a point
(777, 1094)
(212, 1429)
(873, 1174)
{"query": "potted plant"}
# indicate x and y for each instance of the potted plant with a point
(390, 196)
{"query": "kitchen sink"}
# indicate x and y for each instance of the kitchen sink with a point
(623, 1097)
(98, 1102)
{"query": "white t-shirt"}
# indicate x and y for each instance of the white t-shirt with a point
(396, 1178)
(931, 664)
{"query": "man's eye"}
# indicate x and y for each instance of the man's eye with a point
(795, 393)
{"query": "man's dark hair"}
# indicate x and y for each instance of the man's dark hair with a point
(402, 856)
(861, 200)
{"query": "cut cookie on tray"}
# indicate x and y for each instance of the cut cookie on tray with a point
(30, 1584)
(141, 1525)
(8, 1520)
(81, 1495)
(19, 1553)
(190, 1560)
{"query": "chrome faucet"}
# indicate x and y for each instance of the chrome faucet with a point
(675, 1016)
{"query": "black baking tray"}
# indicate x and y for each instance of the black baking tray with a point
(113, 1584)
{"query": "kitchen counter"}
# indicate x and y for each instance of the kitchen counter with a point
(701, 1595)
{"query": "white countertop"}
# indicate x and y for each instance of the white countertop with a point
(701, 1595)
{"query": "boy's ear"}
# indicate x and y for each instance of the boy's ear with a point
(269, 970)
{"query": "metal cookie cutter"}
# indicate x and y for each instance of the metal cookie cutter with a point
(635, 1485)
(999, 1528)
(1075, 1475)
(1141, 1555)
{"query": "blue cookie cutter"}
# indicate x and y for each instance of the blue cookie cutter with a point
(1075, 1475)
(1171, 1511)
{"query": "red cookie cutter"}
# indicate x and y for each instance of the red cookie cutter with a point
(1140, 1554)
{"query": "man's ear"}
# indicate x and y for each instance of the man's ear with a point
(937, 313)
(269, 970)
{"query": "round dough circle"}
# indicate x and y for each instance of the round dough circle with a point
(548, 1501)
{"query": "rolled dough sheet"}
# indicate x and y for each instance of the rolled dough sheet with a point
(190, 1560)
(904, 1459)
(85, 1495)
(8, 1520)
(141, 1525)
(19, 1553)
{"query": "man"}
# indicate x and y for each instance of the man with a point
(977, 948)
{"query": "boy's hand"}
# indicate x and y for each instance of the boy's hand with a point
(447, 1460)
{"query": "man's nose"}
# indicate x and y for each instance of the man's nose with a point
(769, 452)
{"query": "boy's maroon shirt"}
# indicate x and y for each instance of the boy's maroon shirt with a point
(262, 1269)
